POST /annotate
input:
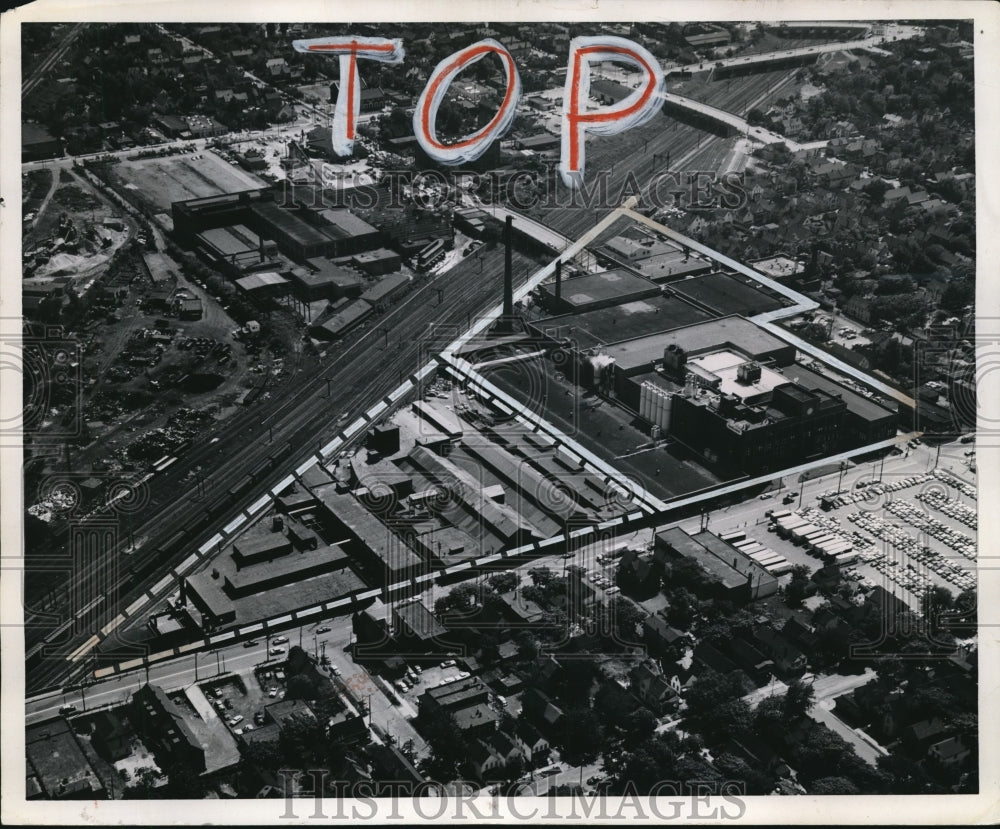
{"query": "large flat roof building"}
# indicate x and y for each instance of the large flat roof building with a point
(723, 293)
(323, 279)
(412, 621)
(638, 355)
(295, 236)
(637, 318)
(596, 290)
(386, 556)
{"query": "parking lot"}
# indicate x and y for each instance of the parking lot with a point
(240, 699)
(912, 519)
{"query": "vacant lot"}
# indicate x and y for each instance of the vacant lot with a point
(175, 178)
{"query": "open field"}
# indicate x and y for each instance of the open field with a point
(175, 178)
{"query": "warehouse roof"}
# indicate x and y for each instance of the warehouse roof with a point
(347, 317)
(734, 330)
(419, 621)
(384, 287)
(288, 567)
(690, 548)
(368, 529)
(229, 241)
(856, 403)
(347, 224)
(596, 287)
(639, 318)
(290, 224)
(256, 281)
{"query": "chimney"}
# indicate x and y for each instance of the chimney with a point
(558, 278)
(508, 272)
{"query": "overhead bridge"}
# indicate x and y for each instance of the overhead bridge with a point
(727, 122)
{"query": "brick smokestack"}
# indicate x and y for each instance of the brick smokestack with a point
(508, 271)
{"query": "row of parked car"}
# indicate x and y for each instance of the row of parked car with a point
(955, 540)
(950, 480)
(905, 543)
(953, 509)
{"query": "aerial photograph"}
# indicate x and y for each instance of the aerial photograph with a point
(560, 410)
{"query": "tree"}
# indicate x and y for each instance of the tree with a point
(640, 725)
(833, 785)
(302, 740)
(735, 768)
(580, 736)
(143, 785)
(798, 699)
(682, 608)
(449, 749)
(795, 591)
(541, 576)
(504, 582)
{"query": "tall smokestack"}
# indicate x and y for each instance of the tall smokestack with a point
(508, 272)
(558, 278)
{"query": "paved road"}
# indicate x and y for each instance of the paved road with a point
(866, 750)
(895, 33)
(184, 671)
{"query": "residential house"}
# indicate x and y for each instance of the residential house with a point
(276, 66)
(534, 746)
(920, 736)
(540, 710)
(484, 759)
(109, 736)
(800, 634)
(653, 689)
(950, 751)
(658, 636)
(507, 747)
(788, 659)
(707, 656)
(757, 666)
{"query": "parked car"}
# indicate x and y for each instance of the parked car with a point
(323, 629)
(236, 720)
(249, 643)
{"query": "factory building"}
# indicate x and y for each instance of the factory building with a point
(377, 262)
(268, 284)
(732, 575)
(385, 556)
(236, 248)
(251, 216)
(323, 279)
(595, 290)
